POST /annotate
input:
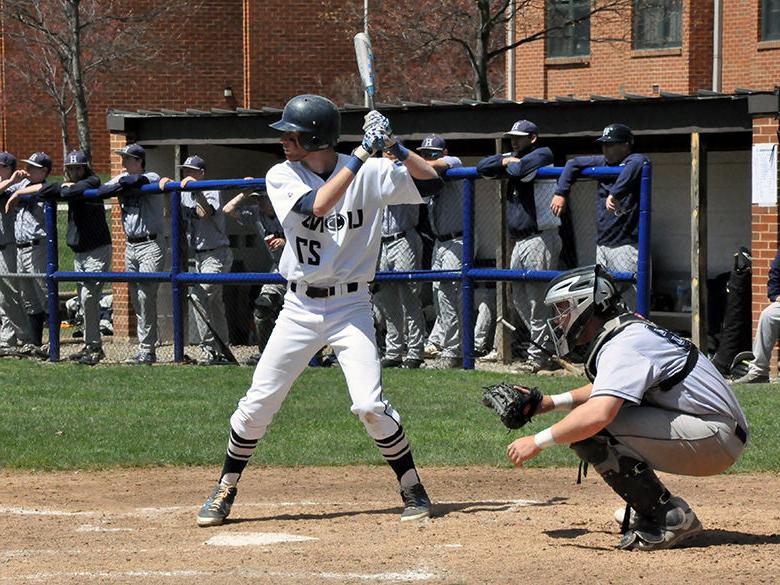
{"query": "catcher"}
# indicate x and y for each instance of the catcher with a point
(653, 404)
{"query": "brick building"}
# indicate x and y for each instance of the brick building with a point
(243, 45)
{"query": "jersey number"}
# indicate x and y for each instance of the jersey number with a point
(308, 251)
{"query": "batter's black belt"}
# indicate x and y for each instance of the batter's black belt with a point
(29, 244)
(316, 292)
(393, 238)
(140, 239)
(448, 237)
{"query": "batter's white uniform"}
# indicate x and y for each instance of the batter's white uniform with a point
(337, 252)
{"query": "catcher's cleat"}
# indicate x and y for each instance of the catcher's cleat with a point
(681, 524)
(217, 507)
(417, 504)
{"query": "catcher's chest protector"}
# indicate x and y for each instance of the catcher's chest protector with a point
(616, 325)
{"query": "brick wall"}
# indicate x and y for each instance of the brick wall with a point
(613, 68)
(123, 317)
(287, 56)
(747, 62)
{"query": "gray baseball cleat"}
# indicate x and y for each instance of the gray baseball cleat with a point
(217, 507)
(681, 524)
(417, 504)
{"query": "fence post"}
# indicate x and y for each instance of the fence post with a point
(466, 287)
(52, 287)
(177, 300)
(643, 260)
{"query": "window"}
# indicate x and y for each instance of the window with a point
(770, 20)
(657, 24)
(573, 38)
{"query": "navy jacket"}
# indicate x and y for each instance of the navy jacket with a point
(87, 226)
(773, 285)
(612, 230)
(520, 204)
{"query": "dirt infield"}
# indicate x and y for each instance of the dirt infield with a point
(340, 525)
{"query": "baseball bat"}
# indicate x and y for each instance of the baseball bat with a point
(365, 62)
(566, 365)
(203, 315)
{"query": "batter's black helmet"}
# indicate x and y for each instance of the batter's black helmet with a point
(315, 117)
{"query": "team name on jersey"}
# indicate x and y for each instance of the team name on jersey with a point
(335, 222)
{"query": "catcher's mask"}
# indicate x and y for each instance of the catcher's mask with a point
(316, 118)
(576, 296)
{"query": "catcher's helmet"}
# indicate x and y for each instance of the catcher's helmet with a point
(315, 117)
(578, 295)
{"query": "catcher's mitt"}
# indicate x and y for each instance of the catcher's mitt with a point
(514, 408)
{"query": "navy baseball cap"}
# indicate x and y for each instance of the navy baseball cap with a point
(76, 157)
(39, 159)
(194, 162)
(134, 150)
(432, 142)
(7, 159)
(523, 128)
(616, 134)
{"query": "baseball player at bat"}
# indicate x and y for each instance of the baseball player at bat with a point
(653, 404)
(330, 206)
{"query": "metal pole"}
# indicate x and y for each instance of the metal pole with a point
(177, 296)
(466, 286)
(52, 287)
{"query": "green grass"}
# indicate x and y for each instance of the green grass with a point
(68, 417)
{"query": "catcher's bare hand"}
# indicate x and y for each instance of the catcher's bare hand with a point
(521, 450)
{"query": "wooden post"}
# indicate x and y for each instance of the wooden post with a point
(699, 241)
(503, 338)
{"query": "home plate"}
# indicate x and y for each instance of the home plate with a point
(255, 538)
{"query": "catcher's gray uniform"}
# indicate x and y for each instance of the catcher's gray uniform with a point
(143, 219)
(445, 211)
(695, 427)
(208, 242)
(399, 302)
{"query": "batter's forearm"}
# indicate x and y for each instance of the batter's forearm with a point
(330, 193)
(419, 168)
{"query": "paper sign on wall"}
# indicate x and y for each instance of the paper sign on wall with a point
(764, 174)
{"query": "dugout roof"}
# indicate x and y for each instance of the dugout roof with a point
(661, 123)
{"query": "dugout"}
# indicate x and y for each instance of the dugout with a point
(707, 212)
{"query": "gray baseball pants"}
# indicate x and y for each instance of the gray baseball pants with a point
(210, 297)
(145, 257)
(400, 302)
(766, 337)
(14, 326)
(447, 256)
(97, 260)
(536, 252)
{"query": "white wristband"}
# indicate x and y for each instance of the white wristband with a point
(544, 439)
(361, 153)
(563, 401)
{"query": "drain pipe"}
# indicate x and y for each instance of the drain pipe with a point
(717, 45)
(510, 54)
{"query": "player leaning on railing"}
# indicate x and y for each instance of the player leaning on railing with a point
(330, 206)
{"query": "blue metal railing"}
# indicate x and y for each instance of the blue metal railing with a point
(467, 275)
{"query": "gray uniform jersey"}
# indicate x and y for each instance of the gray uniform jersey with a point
(631, 364)
(143, 214)
(29, 218)
(399, 218)
(251, 216)
(204, 233)
(445, 210)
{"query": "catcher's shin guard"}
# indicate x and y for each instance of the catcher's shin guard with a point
(632, 479)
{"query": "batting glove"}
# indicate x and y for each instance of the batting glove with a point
(374, 118)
